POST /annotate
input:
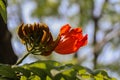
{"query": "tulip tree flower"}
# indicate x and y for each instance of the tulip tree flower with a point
(70, 40)
(39, 41)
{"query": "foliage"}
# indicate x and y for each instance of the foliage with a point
(3, 11)
(46, 8)
(50, 70)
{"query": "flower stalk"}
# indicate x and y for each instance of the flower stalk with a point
(21, 59)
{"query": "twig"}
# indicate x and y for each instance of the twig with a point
(21, 59)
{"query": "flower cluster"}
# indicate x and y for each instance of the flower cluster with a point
(38, 39)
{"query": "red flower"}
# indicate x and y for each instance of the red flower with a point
(70, 40)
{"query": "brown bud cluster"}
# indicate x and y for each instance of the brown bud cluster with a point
(37, 38)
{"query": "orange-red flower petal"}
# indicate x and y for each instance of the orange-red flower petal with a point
(70, 40)
(64, 29)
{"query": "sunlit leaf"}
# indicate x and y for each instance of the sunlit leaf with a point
(48, 78)
(34, 77)
(42, 68)
(51, 70)
(23, 78)
(3, 11)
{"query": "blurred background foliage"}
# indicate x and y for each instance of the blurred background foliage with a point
(100, 19)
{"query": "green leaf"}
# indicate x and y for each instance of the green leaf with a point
(23, 78)
(7, 71)
(39, 72)
(3, 11)
(21, 71)
(1, 78)
(48, 64)
(83, 73)
(48, 78)
(51, 70)
(34, 77)
(65, 72)
(102, 75)
(41, 68)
